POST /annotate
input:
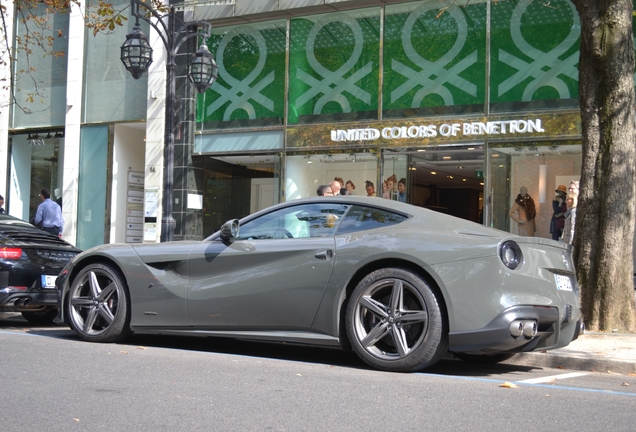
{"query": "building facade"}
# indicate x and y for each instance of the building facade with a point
(454, 111)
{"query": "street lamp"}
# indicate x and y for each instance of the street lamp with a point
(136, 55)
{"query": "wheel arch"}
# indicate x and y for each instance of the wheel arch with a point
(385, 263)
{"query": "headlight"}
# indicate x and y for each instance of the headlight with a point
(510, 254)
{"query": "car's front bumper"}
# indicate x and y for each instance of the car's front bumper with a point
(555, 329)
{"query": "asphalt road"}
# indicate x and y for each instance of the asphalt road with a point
(50, 380)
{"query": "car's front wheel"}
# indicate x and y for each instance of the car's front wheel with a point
(395, 321)
(98, 304)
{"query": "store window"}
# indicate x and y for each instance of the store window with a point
(537, 170)
(334, 67)
(434, 63)
(250, 89)
(37, 162)
(535, 55)
(356, 171)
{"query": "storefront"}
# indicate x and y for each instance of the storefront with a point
(454, 111)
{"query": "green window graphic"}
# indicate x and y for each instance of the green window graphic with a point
(535, 54)
(334, 67)
(434, 60)
(250, 90)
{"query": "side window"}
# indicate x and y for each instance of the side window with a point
(362, 218)
(302, 221)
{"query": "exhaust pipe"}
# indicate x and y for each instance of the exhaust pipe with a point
(17, 303)
(26, 302)
(516, 328)
(530, 329)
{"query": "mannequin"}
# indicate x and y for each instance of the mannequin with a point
(523, 212)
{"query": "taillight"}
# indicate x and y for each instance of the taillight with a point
(10, 253)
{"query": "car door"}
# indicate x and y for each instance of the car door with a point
(271, 277)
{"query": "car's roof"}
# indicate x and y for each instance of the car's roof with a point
(6, 219)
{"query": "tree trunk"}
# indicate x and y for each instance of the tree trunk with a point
(603, 242)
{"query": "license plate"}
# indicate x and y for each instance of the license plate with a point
(563, 283)
(48, 281)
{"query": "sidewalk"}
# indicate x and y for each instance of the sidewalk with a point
(592, 351)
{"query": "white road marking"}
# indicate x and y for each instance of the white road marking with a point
(553, 378)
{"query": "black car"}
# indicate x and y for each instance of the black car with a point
(30, 260)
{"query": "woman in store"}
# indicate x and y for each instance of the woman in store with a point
(570, 218)
(523, 212)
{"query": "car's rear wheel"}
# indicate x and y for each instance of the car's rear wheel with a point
(41, 317)
(98, 304)
(395, 321)
(483, 358)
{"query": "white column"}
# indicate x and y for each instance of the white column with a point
(74, 86)
(5, 102)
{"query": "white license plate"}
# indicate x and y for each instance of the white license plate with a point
(563, 283)
(48, 281)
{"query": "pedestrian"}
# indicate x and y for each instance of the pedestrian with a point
(2, 205)
(324, 190)
(570, 218)
(48, 216)
(559, 208)
(350, 187)
(370, 187)
(335, 187)
(573, 187)
(401, 196)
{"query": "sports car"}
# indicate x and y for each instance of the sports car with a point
(30, 260)
(399, 284)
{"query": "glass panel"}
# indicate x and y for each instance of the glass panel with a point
(46, 82)
(110, 92)
(308, 171)
(334, 67)
(394, 173)
(535, 55)
(313, 220)
(434, 63)
(236, 186)
(250, 89)
(499, 190)
(92, 186)
(365, 218)
(233, 142)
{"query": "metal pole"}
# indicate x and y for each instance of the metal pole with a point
(167, 221)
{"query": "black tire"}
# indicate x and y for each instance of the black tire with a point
(395, 322)
(97, 303)
(41, 317)
(483, 359)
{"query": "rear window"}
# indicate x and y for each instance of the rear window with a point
(361, 218)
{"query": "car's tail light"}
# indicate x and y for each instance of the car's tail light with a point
(10, 253)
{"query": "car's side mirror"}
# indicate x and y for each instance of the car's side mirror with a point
(230, 230)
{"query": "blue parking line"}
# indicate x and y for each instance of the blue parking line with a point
(548, 386)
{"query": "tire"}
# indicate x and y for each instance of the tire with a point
(97, 304)
(42, 317)
(395, 322)
(483, 359)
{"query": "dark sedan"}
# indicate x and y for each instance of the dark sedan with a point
(30, 260)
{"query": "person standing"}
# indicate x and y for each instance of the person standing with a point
(558, 217)
(570, 218)
(402, 190)
(370, 187)
(49, 215)
(335, 186)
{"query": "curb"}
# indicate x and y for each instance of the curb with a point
(561, 361)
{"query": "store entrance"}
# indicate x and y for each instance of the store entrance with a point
(447, 179)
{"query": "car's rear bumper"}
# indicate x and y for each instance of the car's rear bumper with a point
(12, 300)
(554, 329)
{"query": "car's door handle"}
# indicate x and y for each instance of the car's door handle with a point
(326, 254)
